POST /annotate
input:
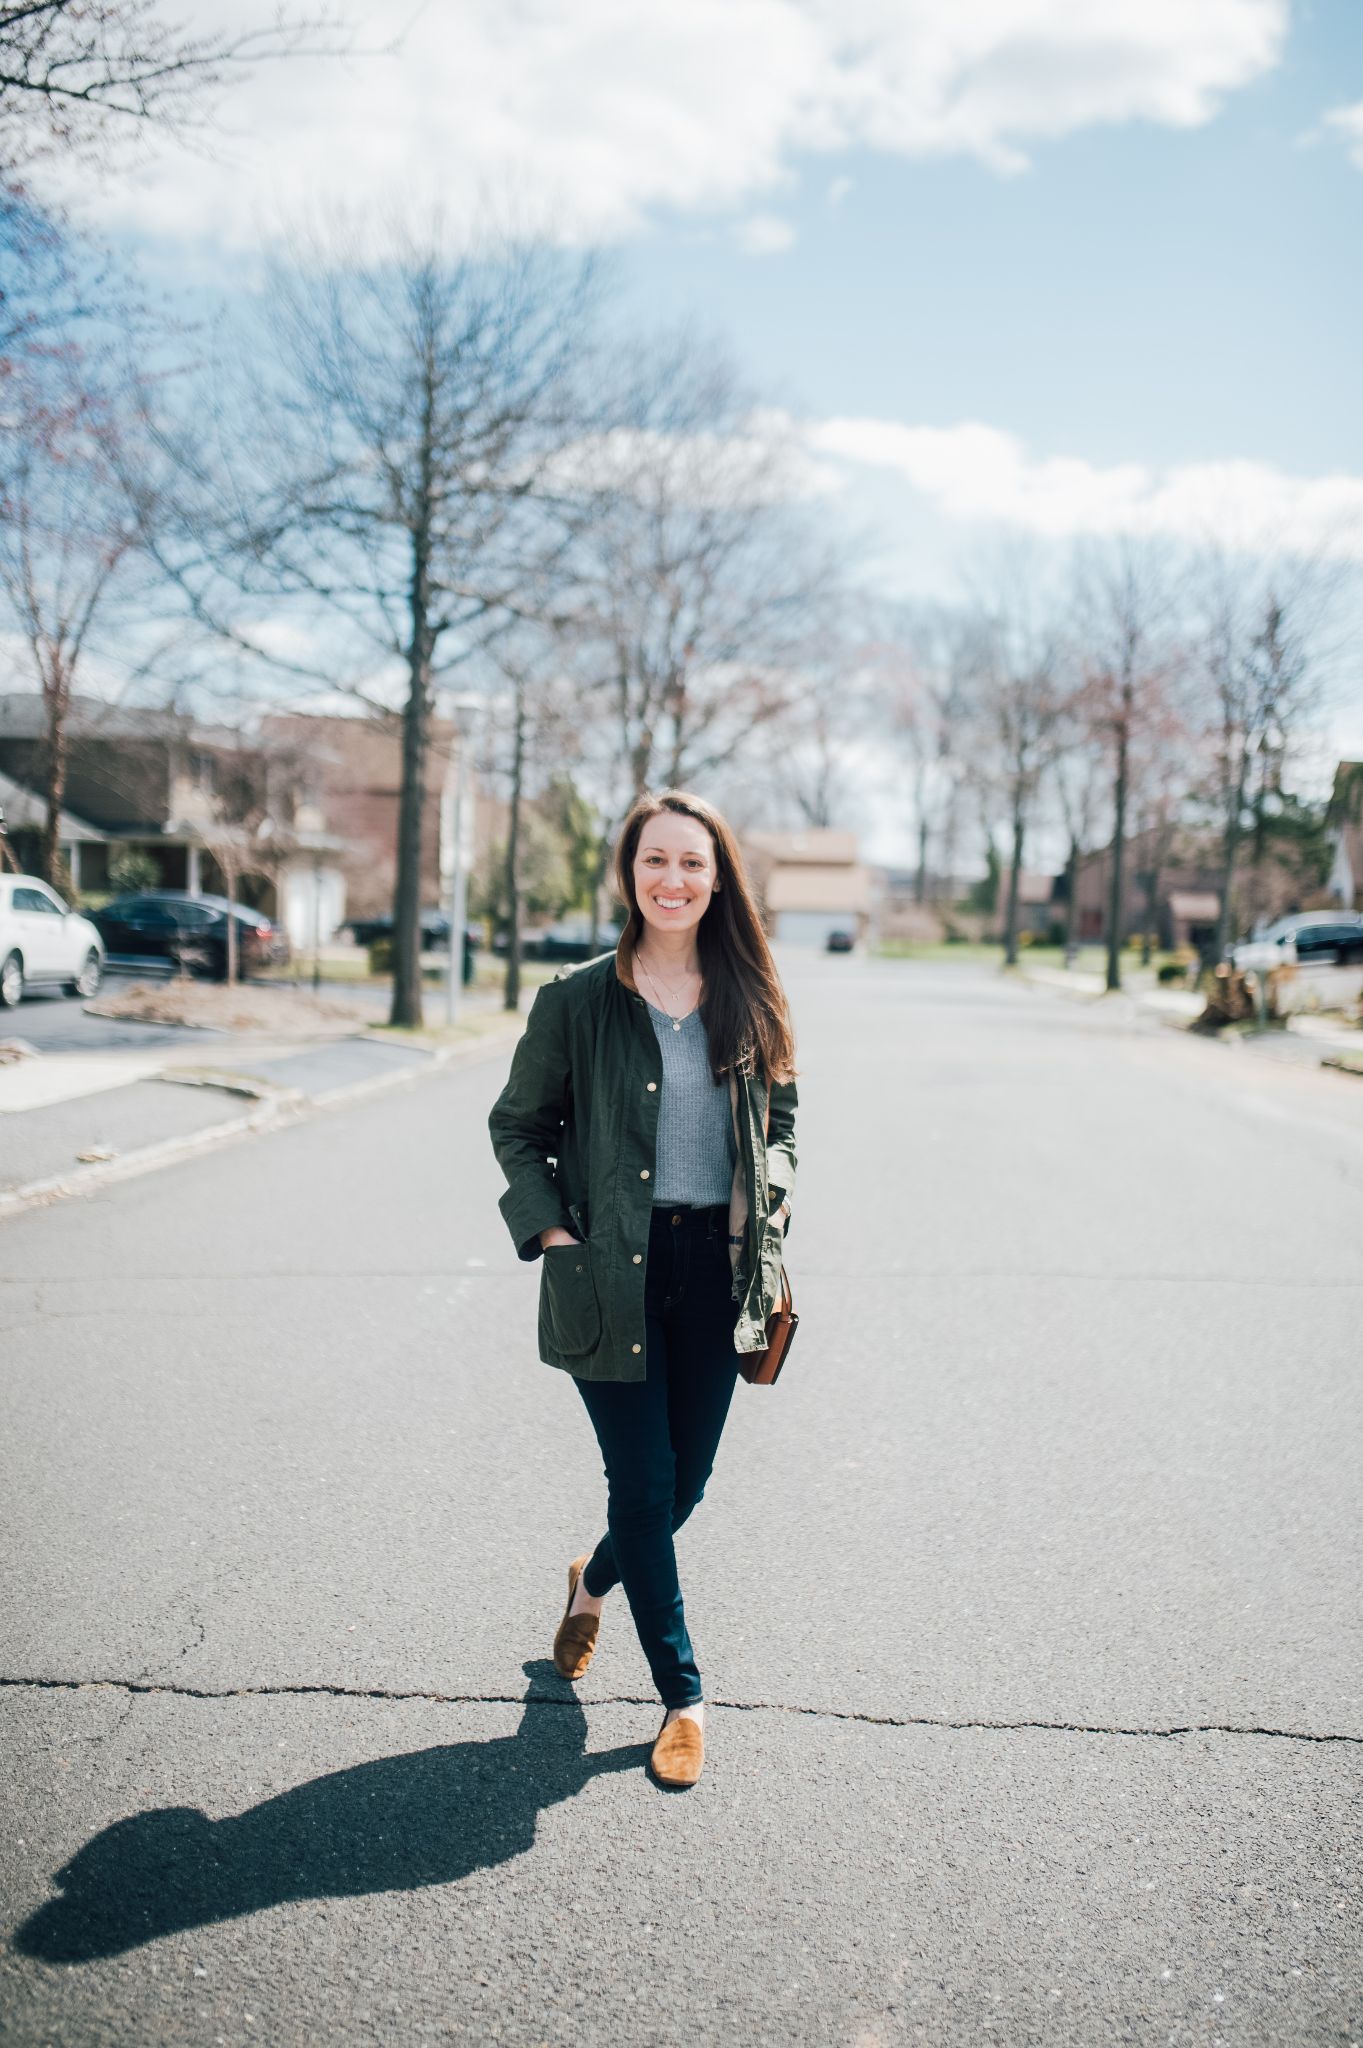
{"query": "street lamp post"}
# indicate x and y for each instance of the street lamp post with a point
(463, 711)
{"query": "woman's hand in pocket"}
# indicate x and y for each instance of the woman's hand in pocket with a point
(556, 1234)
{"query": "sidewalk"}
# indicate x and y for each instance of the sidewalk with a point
(1325, 1039)
(72, 1121)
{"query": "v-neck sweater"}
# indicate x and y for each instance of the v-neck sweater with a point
(695, 1130)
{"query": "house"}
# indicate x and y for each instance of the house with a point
(204, 804)
(1345, 883)
(899, 911)
(355, 779)
(22, 817)
(1186, 878)
(1040, 902)
(810, 883)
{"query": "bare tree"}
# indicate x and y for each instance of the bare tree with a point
(84, 76)
(1126, 622)
(533, 728)
(923, 671)
(68, 541)
(1012, 654)
(1261, 661)
(696, 587)
(399, 498)
(1079, 778)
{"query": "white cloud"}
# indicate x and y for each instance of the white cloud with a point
(764, 464)
(599, 114)
(764, 234)
(979, 474)
(1349, 122)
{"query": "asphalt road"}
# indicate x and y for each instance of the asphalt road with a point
(52, 1022)
(1027, 1602)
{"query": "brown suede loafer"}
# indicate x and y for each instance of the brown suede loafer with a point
(575, 1642)
(678, 1754)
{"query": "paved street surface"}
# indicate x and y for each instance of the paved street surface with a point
(1027, 1602)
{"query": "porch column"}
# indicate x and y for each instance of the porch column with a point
(192, 869)
(73, 865)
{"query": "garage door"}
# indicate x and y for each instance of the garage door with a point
(811, 927)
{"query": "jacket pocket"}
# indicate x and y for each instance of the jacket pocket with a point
(569, 1310)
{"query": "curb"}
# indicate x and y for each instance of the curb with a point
(274, 1109)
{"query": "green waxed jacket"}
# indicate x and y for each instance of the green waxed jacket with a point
(575, 1131)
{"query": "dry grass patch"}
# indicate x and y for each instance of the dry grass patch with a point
(282, 1013)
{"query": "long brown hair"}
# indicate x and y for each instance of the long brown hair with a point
(743, 1008)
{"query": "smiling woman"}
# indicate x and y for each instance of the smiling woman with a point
(647, 1133)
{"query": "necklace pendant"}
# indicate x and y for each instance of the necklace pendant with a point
(676, 1023)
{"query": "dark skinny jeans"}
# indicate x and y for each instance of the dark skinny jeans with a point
(659, 1435)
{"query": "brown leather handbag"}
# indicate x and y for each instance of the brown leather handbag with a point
(760, 1368)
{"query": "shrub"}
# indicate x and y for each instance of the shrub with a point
(132, 869)
(1172, 970)
(381, 957)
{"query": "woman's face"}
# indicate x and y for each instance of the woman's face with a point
(674, 872)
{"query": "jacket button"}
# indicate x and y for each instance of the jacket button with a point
(652, 1087)
(643, 1173)
(636, 1347)
(638, 1258)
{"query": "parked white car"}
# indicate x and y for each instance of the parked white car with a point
(1309, 938)
(42, 943)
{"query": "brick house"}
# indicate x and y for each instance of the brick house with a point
(1346, 812)
(187, 795)
(355, 780)
(1187, 892)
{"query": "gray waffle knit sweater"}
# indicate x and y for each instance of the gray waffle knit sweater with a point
(695, 1129)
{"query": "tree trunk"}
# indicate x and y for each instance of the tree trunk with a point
(511, 992)
(1230, 850)
(1159, 854)
(1116, 879)
(1072, 906)
(406, 1004)
(57, 703)
(1151, 896)
(229, 876)
(920, 880)
(1010, 929)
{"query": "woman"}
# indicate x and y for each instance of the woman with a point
(647, 1133)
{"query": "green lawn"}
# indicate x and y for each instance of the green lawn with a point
(1090, 960)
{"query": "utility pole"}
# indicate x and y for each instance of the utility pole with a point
(455, 817)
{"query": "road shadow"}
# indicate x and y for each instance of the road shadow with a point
(425, 1818)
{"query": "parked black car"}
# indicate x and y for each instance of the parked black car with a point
(435, 930)
(569, 939)
(840, 940)
(188, 931)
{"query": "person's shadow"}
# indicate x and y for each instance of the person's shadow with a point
(405, 1821)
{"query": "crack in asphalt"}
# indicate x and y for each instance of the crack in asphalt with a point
(1173, 1732)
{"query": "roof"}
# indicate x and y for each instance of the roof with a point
(1199, 906)
(1032, 886)
(820, 845)
(24, 807)
(807, 887)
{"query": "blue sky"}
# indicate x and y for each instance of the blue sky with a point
(1053, 266)
(1140, 293)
